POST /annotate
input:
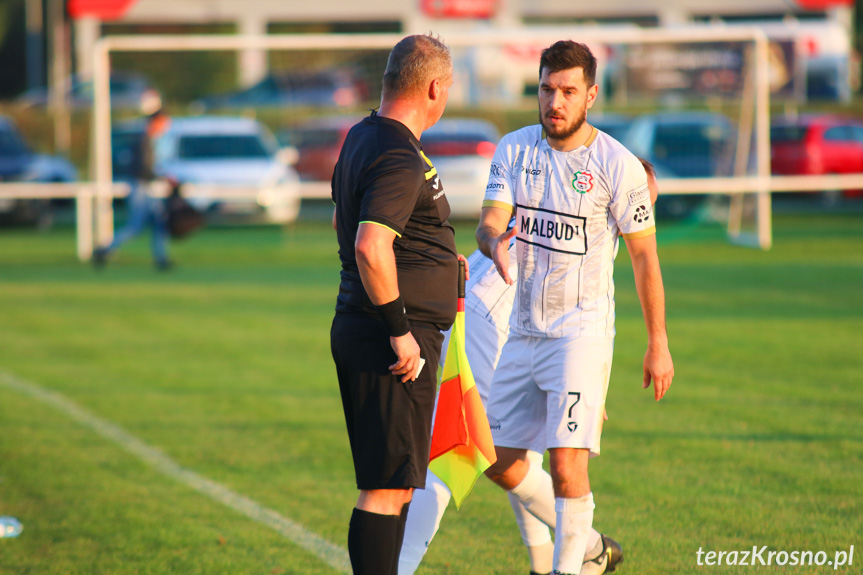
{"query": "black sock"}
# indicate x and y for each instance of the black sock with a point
(400, 536)
(372, 540)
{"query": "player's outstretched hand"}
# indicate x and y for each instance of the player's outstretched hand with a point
(408, 353)
(658, 368)
(500, 255)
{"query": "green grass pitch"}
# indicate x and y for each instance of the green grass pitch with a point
(223, 365)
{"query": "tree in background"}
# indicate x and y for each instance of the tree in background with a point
(13, 42)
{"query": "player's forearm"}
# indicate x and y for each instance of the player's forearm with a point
(492, 223)
(486, 235)
(651, 294)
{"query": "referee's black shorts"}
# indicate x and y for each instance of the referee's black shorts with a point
(389, 422)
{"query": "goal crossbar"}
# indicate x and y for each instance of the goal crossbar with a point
(101, 150)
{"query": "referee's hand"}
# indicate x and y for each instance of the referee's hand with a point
(408, 352)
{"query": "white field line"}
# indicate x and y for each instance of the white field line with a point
(329, 553)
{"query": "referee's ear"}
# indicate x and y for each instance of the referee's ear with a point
(435, 89)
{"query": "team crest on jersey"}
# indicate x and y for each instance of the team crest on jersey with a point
(582, 181)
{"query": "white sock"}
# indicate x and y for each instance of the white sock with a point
(541, 558)
(537, 486)
(424, 515)
(594, 545)
(534, 533)
(536, 493)
(574, 520)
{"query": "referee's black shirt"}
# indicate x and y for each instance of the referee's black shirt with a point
(382, 177)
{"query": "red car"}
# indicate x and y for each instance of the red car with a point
(817, 144)
(318, 142)
(460, 148)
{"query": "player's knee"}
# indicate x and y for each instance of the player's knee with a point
(568, 469)
(496, 471)
(509, 469)
(384, 501)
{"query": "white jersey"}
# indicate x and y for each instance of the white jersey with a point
(486, 293)
(570, 209)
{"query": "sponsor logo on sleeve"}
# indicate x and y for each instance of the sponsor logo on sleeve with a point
(642, 214)
(496, 170)
(554, 231)
(494, 186)
(639, 196)
(582, 181)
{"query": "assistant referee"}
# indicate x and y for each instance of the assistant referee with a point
(397, 292)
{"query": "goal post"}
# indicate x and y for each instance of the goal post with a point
(481, 58)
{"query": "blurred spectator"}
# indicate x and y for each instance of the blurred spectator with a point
(143, 209)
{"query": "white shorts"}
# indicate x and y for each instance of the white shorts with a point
(550, 392)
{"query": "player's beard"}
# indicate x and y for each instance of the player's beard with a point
(564, 132)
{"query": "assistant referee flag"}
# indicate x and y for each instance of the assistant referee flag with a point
(461, 445)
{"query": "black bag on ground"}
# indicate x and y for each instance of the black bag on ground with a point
(183, 218)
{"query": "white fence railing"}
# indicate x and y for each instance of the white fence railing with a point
(88, 199)
(85, 194)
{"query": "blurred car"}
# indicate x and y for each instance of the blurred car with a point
(220, 153)
(128, 92)
(615, 125)
(318, 143)
(817, 144)
(331, 88)
(683, 145)
(18, 163)
(461, 150)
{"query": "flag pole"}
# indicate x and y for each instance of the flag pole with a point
(461, 275)
(461, 445)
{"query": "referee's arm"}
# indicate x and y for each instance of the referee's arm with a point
(377, 265)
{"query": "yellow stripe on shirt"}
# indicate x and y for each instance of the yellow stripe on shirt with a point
(381, 225)
(433, 171)
(591, 138)
(498, 204)
(642, 234)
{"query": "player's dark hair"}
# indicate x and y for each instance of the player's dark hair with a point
(413, 63)
(566, 54)
(648, 167)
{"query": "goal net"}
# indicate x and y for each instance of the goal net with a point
(695, 102)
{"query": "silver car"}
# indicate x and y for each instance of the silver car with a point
(230, 166)
(461, 150)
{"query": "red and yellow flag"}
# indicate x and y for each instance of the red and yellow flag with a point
(461, 445)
